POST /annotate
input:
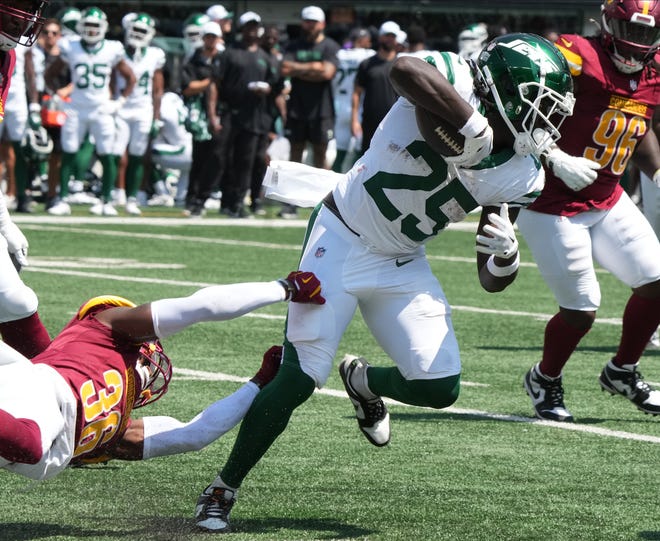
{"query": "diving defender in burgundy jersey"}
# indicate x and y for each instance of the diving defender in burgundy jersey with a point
(72, 403)
(20, 326)
(573, 224)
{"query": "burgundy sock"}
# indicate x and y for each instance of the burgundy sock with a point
(28, 336)
(559, 343)
(640, 318)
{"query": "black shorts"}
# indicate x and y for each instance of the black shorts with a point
(318, 131)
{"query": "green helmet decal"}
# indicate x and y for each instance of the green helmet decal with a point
(529, 81)
(93, 25)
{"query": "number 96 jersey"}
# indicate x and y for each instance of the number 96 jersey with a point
(612, 114)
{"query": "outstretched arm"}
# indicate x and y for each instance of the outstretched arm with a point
(166, 317)
(150, 437)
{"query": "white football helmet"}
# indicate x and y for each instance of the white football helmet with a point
(68, 18)
(92, 26)
(471, 40)
(139, 30)
(20, 22)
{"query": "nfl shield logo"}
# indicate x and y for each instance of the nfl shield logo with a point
(633, 85)
(320, 252)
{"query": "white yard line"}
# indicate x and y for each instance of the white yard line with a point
(185, 373)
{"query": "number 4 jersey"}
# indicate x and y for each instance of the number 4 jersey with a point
(401, 193)
(612, 114)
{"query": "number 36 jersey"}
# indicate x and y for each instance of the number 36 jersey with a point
(91, 67)
(611, 115)
(401, 193)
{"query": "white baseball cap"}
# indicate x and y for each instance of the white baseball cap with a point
(248, 17)
(218, 12)
(312, 13)
(389, 27)
(211, 27)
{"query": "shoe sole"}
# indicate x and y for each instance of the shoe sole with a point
(354, 398)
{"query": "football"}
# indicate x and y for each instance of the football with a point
(441, 136)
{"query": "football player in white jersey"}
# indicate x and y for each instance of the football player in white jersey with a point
(342, 86)
(20, 115)
(139, 116)
(366, 240)
(91, 60)
(171, 149)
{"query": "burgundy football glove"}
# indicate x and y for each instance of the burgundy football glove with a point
(303, 287)
(269, 366)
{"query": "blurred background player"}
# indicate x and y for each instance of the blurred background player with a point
(139, 118)
(578, 221)
(91, 60)
(471, 40)
(192, 33)
(349, 60)
(20, 325)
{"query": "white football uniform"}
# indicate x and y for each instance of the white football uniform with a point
(135, 118)
(172, 147)
(16, 108)
(342, 85)
(396, 197)
(90, 69)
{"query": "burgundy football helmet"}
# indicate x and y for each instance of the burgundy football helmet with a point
(154, 371)
(631, 32)
(20, 22)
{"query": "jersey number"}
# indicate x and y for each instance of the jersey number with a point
(95, 75)
(454, 191)
(616, 137)
(101, 422)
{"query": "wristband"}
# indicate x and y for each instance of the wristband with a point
(34, 108)
(501, 272)
(289, 288)
(476, 124)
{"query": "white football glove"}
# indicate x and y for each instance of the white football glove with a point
(478, 141)
(503, 241)
(576, 172)
(16, 242)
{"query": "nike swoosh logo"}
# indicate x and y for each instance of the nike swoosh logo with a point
(306, 281)
(567, 43)
(402, 263)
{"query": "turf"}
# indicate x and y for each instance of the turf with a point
(481, 470)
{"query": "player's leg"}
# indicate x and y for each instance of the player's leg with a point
(20, 325)
(137, 148)
(312, 337)
(626, 245)
(561, 248)
(103, 129)
(72, 133)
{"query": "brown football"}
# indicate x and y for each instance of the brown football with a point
(441, 136)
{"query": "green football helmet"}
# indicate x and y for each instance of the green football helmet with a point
(528, 80)
(92, 26)
(68, 18)
(139, 30)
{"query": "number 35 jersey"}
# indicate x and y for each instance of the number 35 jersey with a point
(611, 115)
(401, 193)
(91, 67)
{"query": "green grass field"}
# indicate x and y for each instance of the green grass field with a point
(481, 470)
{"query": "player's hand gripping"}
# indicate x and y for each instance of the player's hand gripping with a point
(269, 366)
(303, 287)
(576, 172)
(502, 241)
(478, 141)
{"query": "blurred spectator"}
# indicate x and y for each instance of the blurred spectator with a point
(217, 13)
(373, 88)
(311, 63)
(471, 39)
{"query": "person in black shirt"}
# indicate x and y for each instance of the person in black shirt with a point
(238, 94)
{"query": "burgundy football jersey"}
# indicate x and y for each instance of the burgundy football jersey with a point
(612, 114)
(96, 365)
(6, 70)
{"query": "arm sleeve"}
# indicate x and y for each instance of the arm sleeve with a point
(20, 439)
(167, 436)
(215, 303)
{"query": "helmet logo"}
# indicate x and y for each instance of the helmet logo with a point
(534, 53)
